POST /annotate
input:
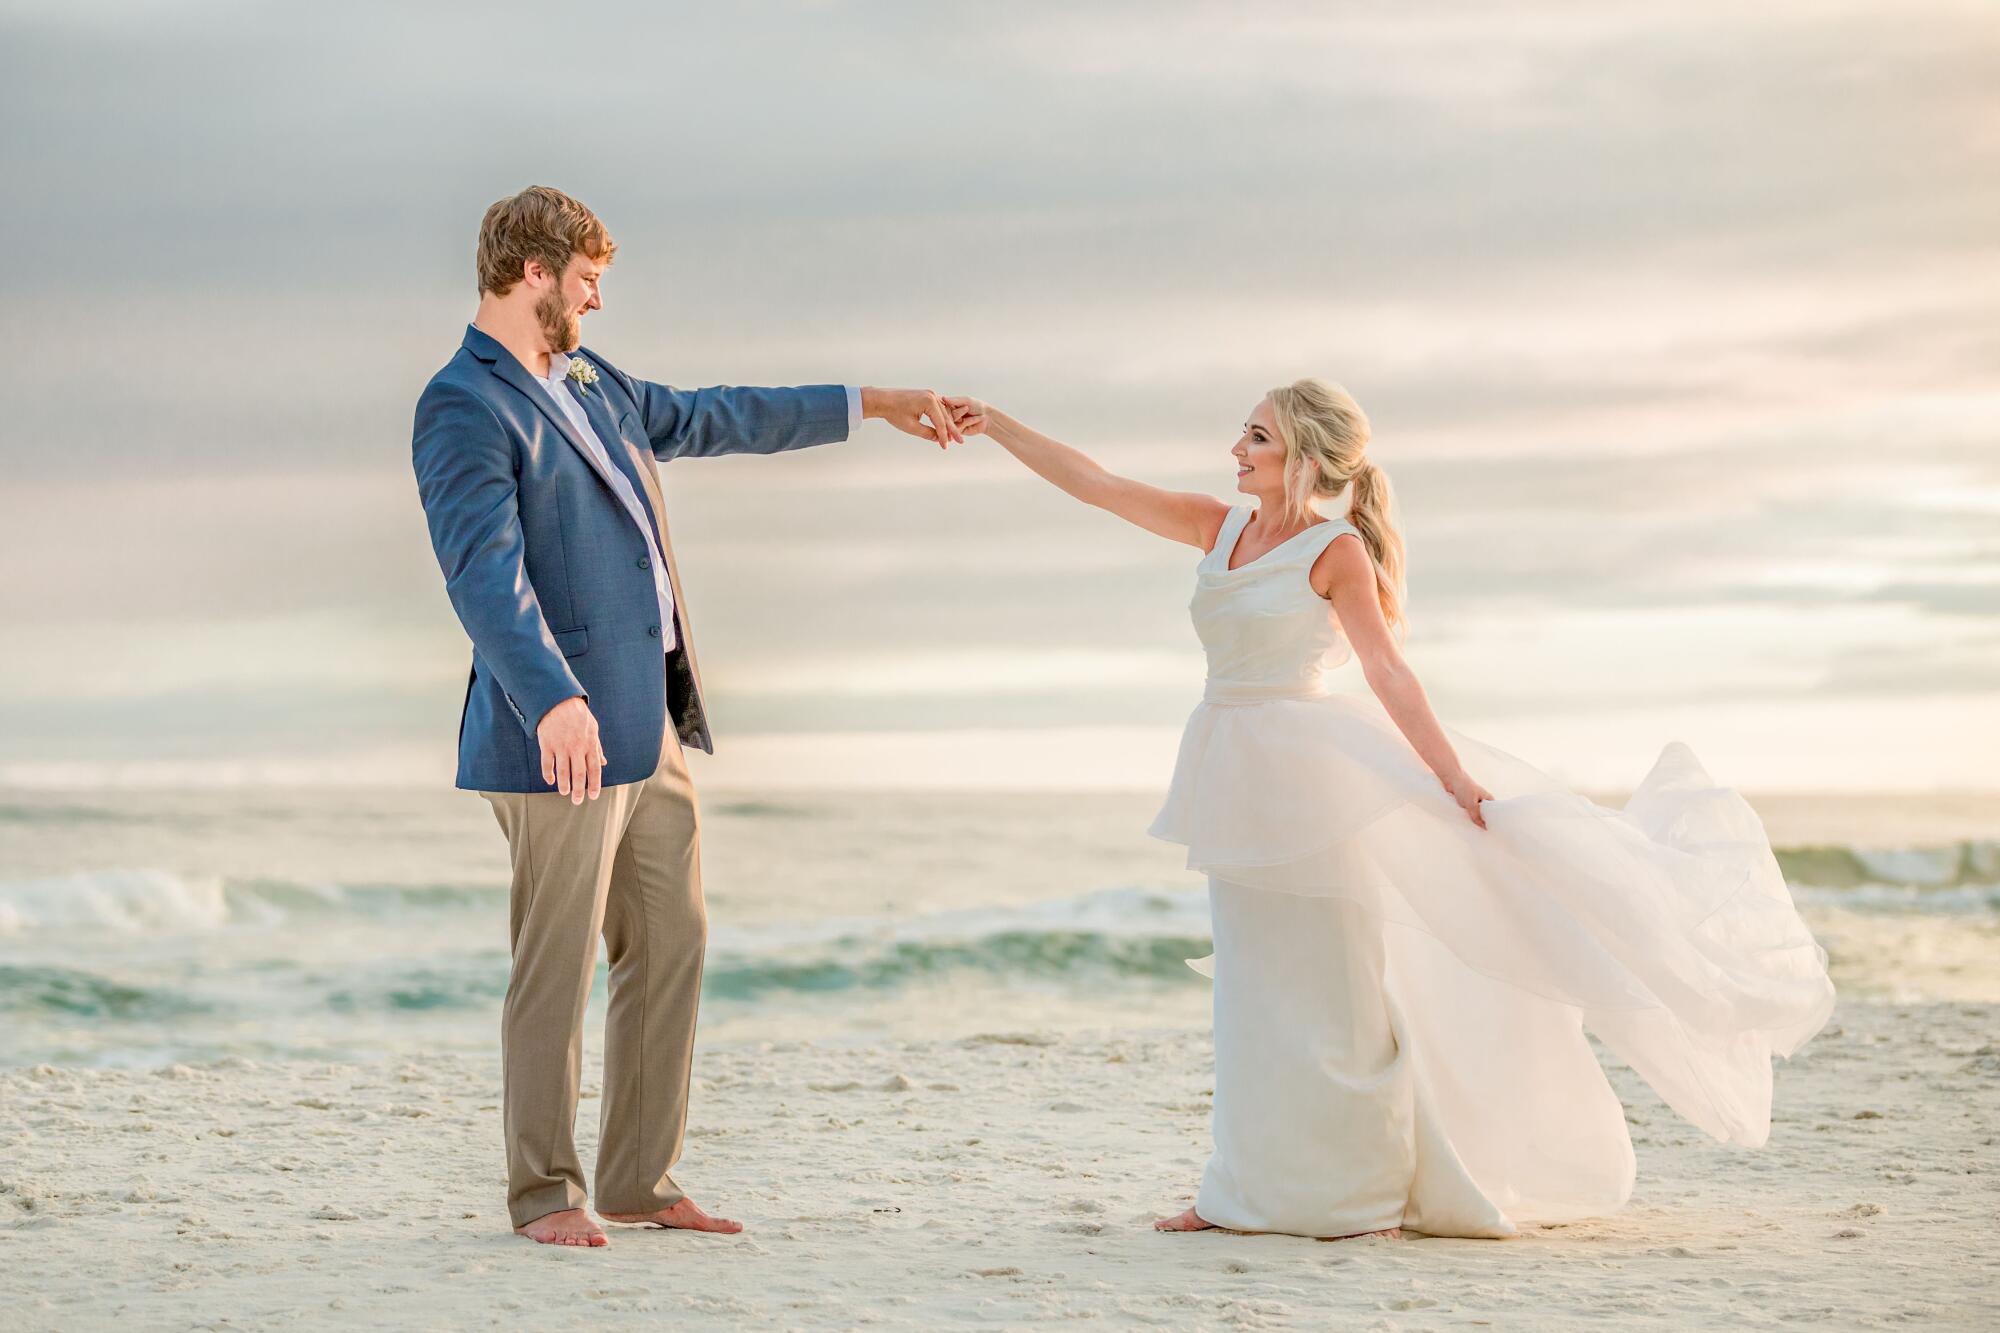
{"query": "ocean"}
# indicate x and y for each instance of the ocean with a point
(142, 928)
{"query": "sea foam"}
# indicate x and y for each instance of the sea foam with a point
(125, 900)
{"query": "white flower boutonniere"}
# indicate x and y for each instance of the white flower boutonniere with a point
(582, 372)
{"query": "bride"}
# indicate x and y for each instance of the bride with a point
(1407, 956)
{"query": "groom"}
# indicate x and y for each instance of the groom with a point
(536, 464)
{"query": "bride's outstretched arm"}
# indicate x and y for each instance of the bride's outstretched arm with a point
(1182, 516)
(1345, 575)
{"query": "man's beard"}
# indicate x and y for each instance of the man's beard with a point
(559, 324)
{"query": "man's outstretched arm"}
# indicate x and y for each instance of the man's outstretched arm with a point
(726, 419)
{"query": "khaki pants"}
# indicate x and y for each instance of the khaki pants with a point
(628, 866)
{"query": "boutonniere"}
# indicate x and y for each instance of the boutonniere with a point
(582, 372)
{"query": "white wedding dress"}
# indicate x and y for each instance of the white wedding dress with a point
(1401, 997)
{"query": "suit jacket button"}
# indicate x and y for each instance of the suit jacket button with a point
(645, 562)
(653, 630)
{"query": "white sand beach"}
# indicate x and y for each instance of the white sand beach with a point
(1669, 334)
(1005, 1179)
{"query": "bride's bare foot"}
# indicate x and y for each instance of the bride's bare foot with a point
(1193, 1221)
(1391, 1233)
(683, 1216)
(1187, 1221)
(571, 1226)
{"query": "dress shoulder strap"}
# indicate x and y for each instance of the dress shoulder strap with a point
(1314, 540)
(1232, 527)
(1323, 535)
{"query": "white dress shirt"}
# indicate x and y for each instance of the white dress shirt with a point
(556, 383)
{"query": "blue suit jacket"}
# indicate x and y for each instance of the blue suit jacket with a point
(545, 567)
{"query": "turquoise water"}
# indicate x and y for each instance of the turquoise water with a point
(143, 927)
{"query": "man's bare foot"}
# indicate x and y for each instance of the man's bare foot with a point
(1187, 1221)
(571, 1226)
(683, 1216)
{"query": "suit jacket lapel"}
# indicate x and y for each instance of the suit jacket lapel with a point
(624, 455)
(516, 374)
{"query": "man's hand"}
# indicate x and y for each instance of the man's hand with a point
(572, 759)
(918, 412)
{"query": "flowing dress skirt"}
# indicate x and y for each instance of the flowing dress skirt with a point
(1401, 997)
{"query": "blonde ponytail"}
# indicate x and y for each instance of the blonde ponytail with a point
(1325, 434)
(1371, 503)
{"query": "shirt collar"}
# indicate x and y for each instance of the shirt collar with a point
(558, 369)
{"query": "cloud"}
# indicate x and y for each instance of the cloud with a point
(1674, 325)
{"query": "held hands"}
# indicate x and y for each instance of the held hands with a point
(943, 419)
(1468, 794)
(572, 758)
(918, 412)
(968, 414)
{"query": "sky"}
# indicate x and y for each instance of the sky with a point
(1676, 325)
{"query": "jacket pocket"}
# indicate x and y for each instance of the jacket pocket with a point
(572, 641)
